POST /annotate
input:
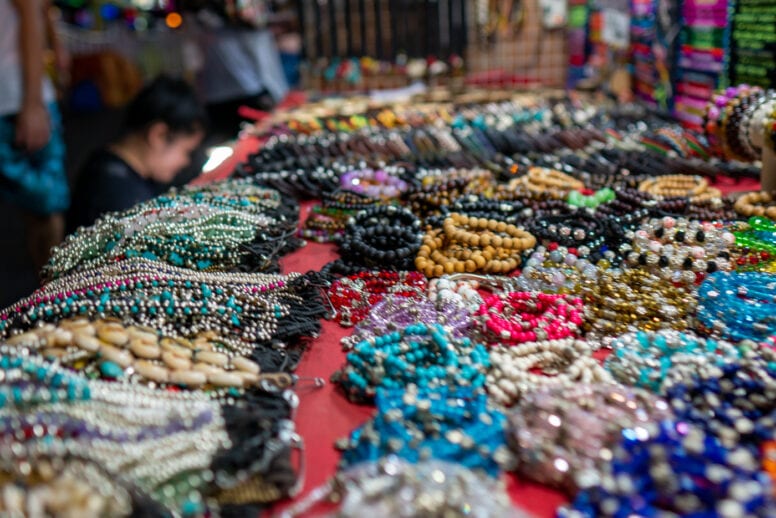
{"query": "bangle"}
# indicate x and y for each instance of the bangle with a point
(518, 317)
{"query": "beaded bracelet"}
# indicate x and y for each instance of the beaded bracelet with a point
(495, 249)
(681, 251)
(384, 237)
(580, 232)
(396, 310)
(354, 296)
(454, 424)
(393, 487)
(656, 360)
(542, 181)
(422, 354)
(517, 317)
(517, 371)
(734, 403)
(738, 305)
(674, 468)
(450, 290)
(382, 183)
(481, 232)
(759, 237)
(692, 187)
(554, 270)
(756, 204)
(619, 301)
(564, 436)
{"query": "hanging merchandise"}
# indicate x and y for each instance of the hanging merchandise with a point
(654, 34)
(752, 50)
(703, 44)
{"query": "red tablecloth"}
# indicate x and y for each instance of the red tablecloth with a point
(325, 415)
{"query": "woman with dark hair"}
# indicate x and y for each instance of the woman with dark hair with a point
(163, 125)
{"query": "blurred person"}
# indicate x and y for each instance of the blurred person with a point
(242, 64)
(32, 153)
(163, 125)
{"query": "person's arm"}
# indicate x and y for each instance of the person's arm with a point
(32, 124)
(61, 55)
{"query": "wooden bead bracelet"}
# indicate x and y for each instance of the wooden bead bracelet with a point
(674, 185)
(545, 181)
(756, 204)
(453, 249)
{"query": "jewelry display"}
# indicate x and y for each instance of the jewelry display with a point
(564, 436)
(526, 277)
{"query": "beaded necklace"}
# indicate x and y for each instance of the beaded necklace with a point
(242, 308)
(198, 229)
